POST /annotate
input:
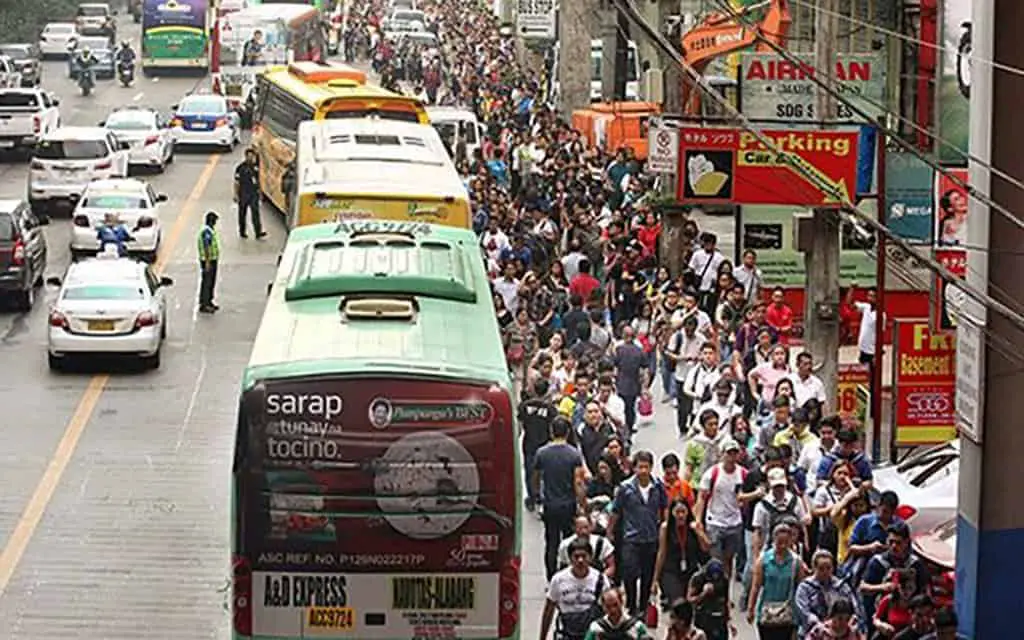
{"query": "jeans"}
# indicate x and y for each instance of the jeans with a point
(668, 378)
(638, 565)
(207, 283)
(630, 402)
(249, 204)
(684, 407)
(529, 454)
(558, 525)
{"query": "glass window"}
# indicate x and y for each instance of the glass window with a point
(6, 226)
(105, 292)
(114, 201)
(92, 10)
(202, 106)
(98, 43)
(131, 121)
(16, 99)
(71, 150)
(16, 51)
(59, 28)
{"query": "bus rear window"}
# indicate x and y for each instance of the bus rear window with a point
(341, 112)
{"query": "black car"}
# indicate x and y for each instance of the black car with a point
(27, 59)
(22, 253)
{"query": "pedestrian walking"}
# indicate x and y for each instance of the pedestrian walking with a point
(632, 375)
(559, 469)
(247, 194)
(209, 257)
(535, 415)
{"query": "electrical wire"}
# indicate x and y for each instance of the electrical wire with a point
(911, 39)
(742, 20)
(627, 7)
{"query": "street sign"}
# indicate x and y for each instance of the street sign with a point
(535, 19)
(772, 87)
(970, 377)
(662, 149)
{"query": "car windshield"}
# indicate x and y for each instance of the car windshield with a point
(104, 292)
(71, 150)
(92, 11)
(202, 106)
(6, 227)
(96, 44)
(128, 121)
(114, 201)
(16, 99)
(16, 51)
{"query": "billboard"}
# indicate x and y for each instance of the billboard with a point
(909, 184)
(768, 230)
(924, 384)
(853, 389)
(947, 298)
(775, 88)
(730, 166)
(955, 80)
(951, 207)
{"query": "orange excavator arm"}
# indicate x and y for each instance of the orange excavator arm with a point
(721, 34)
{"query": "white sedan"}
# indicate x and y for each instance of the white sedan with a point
(56, 39)
(147, 132)
(136, 207)
(108, 306)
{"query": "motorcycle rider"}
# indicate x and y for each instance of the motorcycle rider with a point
(125, 58)
(112, 232)
(85, 61)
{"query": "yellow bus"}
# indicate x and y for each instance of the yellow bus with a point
(288, 95)
(370, 169)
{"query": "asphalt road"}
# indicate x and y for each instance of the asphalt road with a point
(114, 517)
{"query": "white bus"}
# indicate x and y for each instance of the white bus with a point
(598, 57)
(367, 168)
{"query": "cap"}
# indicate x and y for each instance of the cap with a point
(213, 214)
(730, 445)
(777, 478)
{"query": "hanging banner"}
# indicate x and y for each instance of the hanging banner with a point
(775, 88)
(924, 384)
(730, 166)
(954, 88)
(951, 206)
(947, 298)
(853, 390)
(909, 188)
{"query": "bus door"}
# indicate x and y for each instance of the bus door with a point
(384, 507)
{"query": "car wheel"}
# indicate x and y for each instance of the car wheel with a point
(56, 363)
(26, 299)
(153, 361)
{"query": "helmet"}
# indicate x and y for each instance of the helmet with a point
(126, 44)
(86, 51)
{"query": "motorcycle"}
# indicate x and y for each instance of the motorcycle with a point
(86, 82)
(126, 72)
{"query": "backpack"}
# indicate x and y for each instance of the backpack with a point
(621, 632)
(776, 515)
(715, 470)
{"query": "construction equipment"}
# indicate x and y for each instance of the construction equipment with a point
(721, 33)
(611, 126)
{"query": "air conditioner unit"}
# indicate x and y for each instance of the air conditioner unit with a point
(652, 88)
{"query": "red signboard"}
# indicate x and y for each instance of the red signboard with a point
(727, 166)
(850, 406)
(924, 384)
(947, 298)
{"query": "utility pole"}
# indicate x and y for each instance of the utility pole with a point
(574, 28)
(821, 243)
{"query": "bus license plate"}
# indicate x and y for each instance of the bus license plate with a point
(338, 618)
(101, 325)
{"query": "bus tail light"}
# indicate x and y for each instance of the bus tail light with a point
(508, 597)
(241, 595)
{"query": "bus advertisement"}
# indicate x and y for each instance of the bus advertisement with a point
(376, 468)
(175, 34)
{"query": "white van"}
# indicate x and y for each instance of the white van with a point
(597, 58)
(459, 128)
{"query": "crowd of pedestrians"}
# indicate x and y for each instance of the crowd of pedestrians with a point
(766, 509)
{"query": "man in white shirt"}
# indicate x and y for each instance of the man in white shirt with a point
(508, 287)
(614, 407)
(494, 240)
(806, 385)
(868, 318)
(718, 507)
(543, 227)
(701, 377)
(749, 276)
(604, 550)
(689, 308)
(684, 351)
(571, 260)
(722, 402)
(705, 262)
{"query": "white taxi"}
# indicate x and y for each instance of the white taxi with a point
(148, 133)
(108, 306)
(135, 205)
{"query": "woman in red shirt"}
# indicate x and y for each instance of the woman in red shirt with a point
(779, 316)
(648, 234)
(893, 612)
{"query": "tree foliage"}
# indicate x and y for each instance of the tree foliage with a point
(23, 20)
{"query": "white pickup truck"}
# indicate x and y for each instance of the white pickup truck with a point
(25, 116)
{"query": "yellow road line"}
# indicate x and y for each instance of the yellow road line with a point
(43, 494)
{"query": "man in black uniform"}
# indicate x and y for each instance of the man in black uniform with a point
(535, 414)
(247, 193)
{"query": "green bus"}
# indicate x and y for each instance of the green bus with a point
(176, 34)
(376, 473)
